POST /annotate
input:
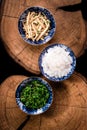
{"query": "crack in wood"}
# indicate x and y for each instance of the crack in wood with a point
(24, 123)
(78, 126)
(81, 94)
(22, 50)
(40, 122)
(85, 107)
(11, 107)
(5, 113)
(8, 16)
(68, 121)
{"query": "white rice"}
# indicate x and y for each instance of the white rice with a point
(56, 62)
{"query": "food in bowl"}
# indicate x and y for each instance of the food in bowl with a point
(34, 95)
(57, 62)
(36, 25)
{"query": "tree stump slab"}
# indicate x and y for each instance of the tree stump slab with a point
(68, 110)
(70, 30)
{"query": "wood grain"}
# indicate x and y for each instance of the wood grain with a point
(51, 3)
(68, 111)
(70, 30)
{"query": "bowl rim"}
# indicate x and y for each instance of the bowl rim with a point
(24, 38)
(33, 111)
(66, 49)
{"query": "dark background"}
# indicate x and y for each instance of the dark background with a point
(9, 67)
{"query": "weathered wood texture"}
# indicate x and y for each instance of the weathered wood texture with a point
(68, 111)
(70, 30)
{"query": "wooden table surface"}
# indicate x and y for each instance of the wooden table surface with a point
(68, 110)
(70, 30)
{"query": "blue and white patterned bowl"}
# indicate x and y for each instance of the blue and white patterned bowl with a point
(73, 65)
(33, 111)
(48, 15)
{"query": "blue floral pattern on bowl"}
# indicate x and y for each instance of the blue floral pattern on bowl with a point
(70, 53)
(23, 107)
(48, 15)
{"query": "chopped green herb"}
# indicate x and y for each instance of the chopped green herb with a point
(34, 95)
